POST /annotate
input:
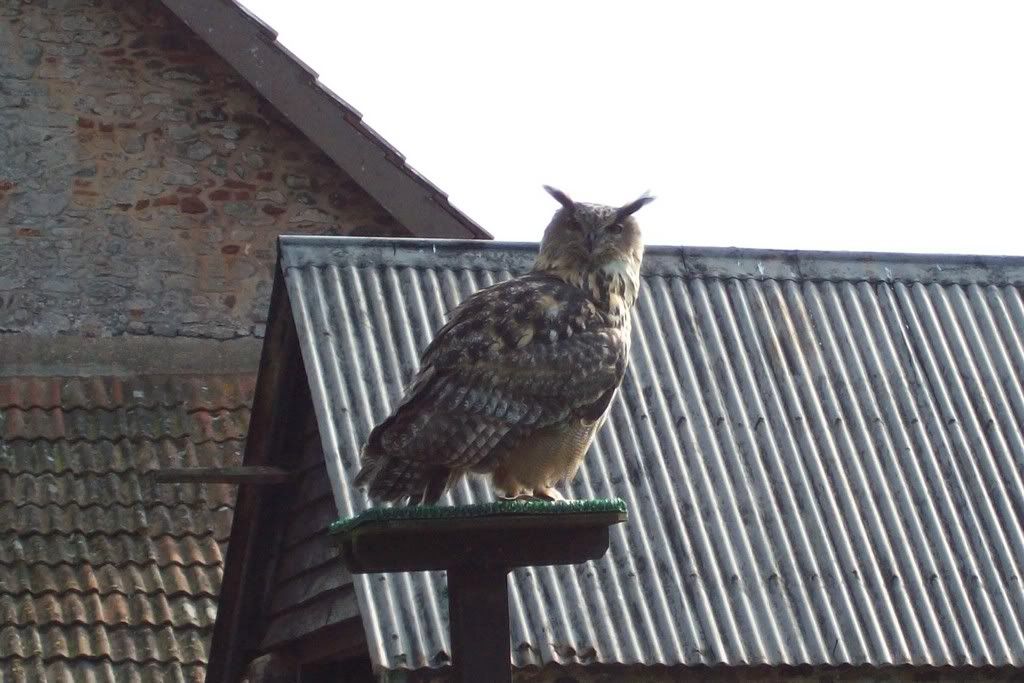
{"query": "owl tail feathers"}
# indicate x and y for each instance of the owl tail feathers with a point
(391, 479)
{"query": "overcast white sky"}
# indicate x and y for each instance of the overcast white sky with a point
(872, 125)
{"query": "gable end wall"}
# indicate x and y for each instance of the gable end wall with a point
(143, 182)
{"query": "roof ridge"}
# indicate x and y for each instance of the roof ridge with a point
(319, 251)
(695, 275)
(796, 277)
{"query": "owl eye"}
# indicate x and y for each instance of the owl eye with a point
(615, 228)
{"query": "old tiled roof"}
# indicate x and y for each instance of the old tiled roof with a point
(104, 575)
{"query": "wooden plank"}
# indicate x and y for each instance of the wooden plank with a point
(309, 554)
(312, 519)
(342, 641)
(313, 483)
(251, 474)
(310, 452)
(329, 609)
(303, 588)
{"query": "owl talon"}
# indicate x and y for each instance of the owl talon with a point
(548, 494)
(515, 496)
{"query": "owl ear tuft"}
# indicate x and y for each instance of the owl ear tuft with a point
(561, 197)
(634, 206)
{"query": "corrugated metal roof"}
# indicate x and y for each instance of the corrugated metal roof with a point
(822, 455)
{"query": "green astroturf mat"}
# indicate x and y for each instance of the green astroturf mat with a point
(496, 508)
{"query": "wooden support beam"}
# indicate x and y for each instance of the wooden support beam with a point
(252, 474)
(478, 624)
(478, 545)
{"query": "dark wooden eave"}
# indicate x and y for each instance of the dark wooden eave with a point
(250, 46)
(245, 569)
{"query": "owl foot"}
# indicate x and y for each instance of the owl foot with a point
(548, 493)
(528, 497)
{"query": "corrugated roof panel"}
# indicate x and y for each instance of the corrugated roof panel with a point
(822, 455)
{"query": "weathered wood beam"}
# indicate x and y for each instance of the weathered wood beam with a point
(252, 474)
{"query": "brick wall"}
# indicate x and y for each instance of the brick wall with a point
(142, 181)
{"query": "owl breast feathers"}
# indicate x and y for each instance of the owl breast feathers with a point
(514, 385)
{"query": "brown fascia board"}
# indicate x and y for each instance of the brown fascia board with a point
(242, 594)
(250, 46)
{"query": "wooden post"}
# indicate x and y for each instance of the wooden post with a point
(478, 545)
(478, 624)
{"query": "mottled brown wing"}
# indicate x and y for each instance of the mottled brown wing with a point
(515, 357)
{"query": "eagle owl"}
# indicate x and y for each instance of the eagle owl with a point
(521, 377)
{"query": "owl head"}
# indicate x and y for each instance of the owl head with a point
(584, 238)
